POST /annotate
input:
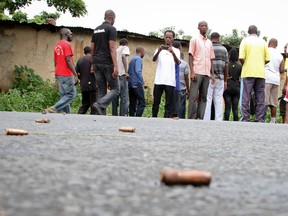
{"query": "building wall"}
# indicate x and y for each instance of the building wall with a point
(33, 45)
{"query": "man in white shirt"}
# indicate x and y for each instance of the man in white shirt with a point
(167, 57)
(272, 82)
(122, 58)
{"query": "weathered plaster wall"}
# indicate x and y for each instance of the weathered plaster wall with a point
(27, 45)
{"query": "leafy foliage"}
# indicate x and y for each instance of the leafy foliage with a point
(233, 39)
(20, 16)
(180, 34)
(77, 8)
(41, 18)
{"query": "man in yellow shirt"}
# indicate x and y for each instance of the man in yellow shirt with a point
(253, 55)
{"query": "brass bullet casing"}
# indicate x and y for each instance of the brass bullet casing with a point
(127, 129)
(42, 120)
(11, 131)
(185, 177)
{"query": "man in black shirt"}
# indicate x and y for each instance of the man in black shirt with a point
(87, 81)
(104, 62)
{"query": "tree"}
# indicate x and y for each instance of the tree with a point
(41, 18)
(180, 34)
(77, 8)
(233, 39)
(20, 16)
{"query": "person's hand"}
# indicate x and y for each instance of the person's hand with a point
(127, 76)
(76, 80)
(91, 69)
(160, 48)
(193, 76)
(115, 72)
(170, 49)
(284, 90)
(225, 86)
(212, 79)
(187, 94)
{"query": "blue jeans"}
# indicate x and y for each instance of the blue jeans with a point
(137, 99)
(182, 104)
(103, 73)
(123, 96)
(67, 92)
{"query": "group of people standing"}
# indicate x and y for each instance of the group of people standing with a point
(215, 74)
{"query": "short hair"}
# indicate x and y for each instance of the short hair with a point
(215, 35)
(173, 33)
(176, 44)
(87, 50)
(139, 49)
(123, 42)
(202, 22)
(252, 29)
(233, 55)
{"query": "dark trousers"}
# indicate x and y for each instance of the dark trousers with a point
(137, 101)
(198, 97)
(258, 86)
(231, 101)
(88, 98)
(182, 104)
(103, 75)
(157, 94)
(176, 103)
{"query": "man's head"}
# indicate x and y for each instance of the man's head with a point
(273, 43)
(252, 29)
(177, 45)
(233, 55)
(203, 27)
(123, 42)
(140, 51)
(169, 36)
(215, 37)
(285, 48)
(110, 16)
(66, 34)
(87, 50)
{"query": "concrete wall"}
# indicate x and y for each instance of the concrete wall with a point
(32, 45)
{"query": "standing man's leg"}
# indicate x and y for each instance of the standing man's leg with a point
(124, 97)
(259, 89)
(235, 106)
(133, 102)
(274, 102)
(104, 75)
(67, 91)
(141, 103)
(246, 88)
(115, 104)
(203, 96)
(85, 103)
(93, 99)
(182, 104)
(210, 96)
(193, 97)
(169, 92)
(218, 99)
(228, 105)
(157, 94)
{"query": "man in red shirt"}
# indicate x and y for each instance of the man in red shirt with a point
(65, 73)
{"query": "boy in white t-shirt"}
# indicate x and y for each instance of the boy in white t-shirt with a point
(272, 82)
(166, 57)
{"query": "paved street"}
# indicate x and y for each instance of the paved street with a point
(83, 165)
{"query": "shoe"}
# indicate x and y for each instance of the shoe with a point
(97, 109)
(50, 110)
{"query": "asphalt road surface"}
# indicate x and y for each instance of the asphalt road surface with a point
(83, 165)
